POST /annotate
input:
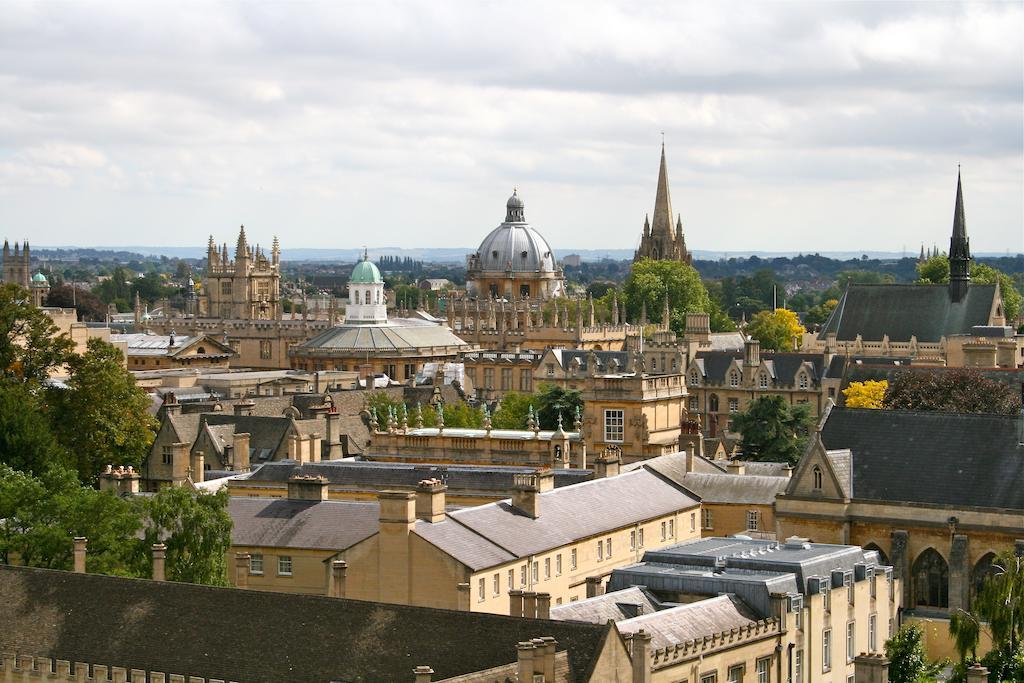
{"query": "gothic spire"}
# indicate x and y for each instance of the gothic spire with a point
(662, 224)
(242, 247)
(959, 249)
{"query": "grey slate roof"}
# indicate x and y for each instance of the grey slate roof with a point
(400, 334)
(566, 515)
(156, 625)
(691, 621)
(931, 457)
(604, 358)
(902, 311)
(617, 606)
(735, 488)
(782, 366)
(283, 523)
(842, 464)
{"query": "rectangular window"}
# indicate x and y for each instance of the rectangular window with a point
(851, 641)
(734, 405)
(672, 525)
(511, 579)
(256, 563)
(536, 572)
(693, 525)
(848, 582)
(709, 678)
(735, 674)
(481, 590)
(753, 519)
(799, 619)
(872, 633)
(632, 540)
(640, 537)
(608, 548)
(547, 568)
(558, 564)
(600, 551)
(764, 668)
(664, 531)
(522, 576)
(572, 559)
(826, 650)
(551, 369)
(506, 379)
(798, 666)
(266, 349)
(497, 584)
(613, 426)
(166, 455)
(706, 519)
(694, 404)
(525, 379)
(826, 596)
(488, 378)
(284, 565)
(874, 586)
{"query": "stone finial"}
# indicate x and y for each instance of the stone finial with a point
(418, 423)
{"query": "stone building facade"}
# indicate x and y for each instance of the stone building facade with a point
(246, 288)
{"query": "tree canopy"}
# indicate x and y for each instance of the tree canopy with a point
(778, 330)
(957, 390)
(936, 271)
(772, 430)
(908, 662)
(650, 281)
(867, 394)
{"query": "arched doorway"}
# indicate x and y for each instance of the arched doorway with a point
(882, 557)
(931, 580)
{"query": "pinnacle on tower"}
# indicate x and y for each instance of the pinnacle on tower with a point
(662, 224)
(241, 247)
(959, 249)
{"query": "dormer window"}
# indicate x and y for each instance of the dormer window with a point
(817, 478)
(494, 254)
(802, 381)
(762, 381)
(524, 253)
(694, 378)
(734, 378)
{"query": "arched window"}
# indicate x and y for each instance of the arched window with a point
(357, 296)
(367, 296)
(734, 378)
(817, 478)
(713, 403)
(982, 570)
(376, 298)
(882, 557)
(673, 365)
(931, 580)
(654, 363)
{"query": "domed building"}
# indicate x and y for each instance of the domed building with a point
(373, 344)
(40, 289)
(514, 261)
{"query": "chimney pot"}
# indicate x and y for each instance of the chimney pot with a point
(307, 487)
(159, 555)
(79, 553)
(423, 674)
(524, 656)
(430, 500)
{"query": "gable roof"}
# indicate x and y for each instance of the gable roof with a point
(691, 621)
(926, 312)
(782, 367)
(735, 488)
(275, 637)
(936, 458)
(314, 525)
(617, 605)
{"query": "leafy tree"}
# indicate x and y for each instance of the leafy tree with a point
(513, 411)
(101, 417)
(86, 304)
(650, 281)
(958, 390)
(26, 440)
(936, 271)
(772, 430)
(460, 415)
(999, 610)
(778, 330)
(867, 394)
(908, 662)
(116, 287)
(819, 314)
(196, 528)
(30, 344)
(553, 401)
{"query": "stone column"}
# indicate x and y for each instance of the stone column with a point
(641, 657)
(529, 604)
(515, 598)
(339, 569)
(901, 564)
(959, 573)
(543, 605)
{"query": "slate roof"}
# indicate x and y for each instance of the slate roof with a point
(781, 366)
(314, 525)
(399, 334)
(842, 464)
(566, 357)
(617, 606)
(566, 515)
(691, 621)
(382, 475)
(154, 625)
(735, 488)
(931, 457)
(904, 311)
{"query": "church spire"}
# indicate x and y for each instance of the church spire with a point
(242, 247)
(959, 249)
(662, 224)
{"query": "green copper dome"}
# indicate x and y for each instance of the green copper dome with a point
(39, 278)
(365, 273)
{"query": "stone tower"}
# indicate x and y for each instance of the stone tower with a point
(959, 249)
(246, 288)
(16, 268)
(661, 240)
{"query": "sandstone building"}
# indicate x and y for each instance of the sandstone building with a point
(246, 288)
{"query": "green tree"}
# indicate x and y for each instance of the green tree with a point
(461, 415)
(650, 281)
(102, 416)
(196, 528)
(819, 314)
(30, 344)
(26, 440)
(778, 330)
(908, 662)
(772, 430)
(934, 271)
(957, 390)
(553, 401)
(513, 410)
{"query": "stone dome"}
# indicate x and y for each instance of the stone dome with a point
(366, 273)
(514, 245)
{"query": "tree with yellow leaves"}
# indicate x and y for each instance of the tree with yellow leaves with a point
(778, 330)
(867, 394)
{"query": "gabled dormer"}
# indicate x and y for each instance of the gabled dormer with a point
(822, 473)
(695, 374)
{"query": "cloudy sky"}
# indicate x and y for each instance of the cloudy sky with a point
(788, 126)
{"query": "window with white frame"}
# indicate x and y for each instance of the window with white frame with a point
(798, 666)
(614, 426)
(522, 576)
(694, 404)
(672, 528)
(734, 405)
(632, 539)
(558, 564)
(600, 551)
(826, 596)
(709, 677)
(753, 519)
(496, 588)
(547, 568)
(608, 548)
(664, 531)
(762, 380)
(736, 674)
(826, 650)
(764, 668)
(640, 537)
(536, 572)
(694, 378)
(802, 381)
(481, 590)
(851, 641)
(734, 378)
(511, 579)
(873, 633)
(284, 565)
(848, 582)
(256, 563)
(707, 520)
(572, 559)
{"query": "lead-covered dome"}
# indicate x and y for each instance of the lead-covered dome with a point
(514, 245)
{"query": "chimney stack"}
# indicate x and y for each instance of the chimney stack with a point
(159, 555)
(180, 461)
(79, 553)
(242, 570)
(543, 605)
(607, 464)
(515, 599)
(594, 587)
(423, 674)
(307, 487)
(339, 568)
(526, 490)
(874, 668)
(240, 452)
(550, 645)
(525, 652)
(463, 598)
(737, 467)
(641, 656)
(430, 500)
(333, 449)
(198, 466)
(245, 407)
(529, 604)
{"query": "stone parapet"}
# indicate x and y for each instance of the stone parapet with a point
(18, 667)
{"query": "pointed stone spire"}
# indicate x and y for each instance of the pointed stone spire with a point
(242, 246)
(590, 298)
(959, 249)
(647, 225)
(615, 308)
(662, 223)
(921, 257)
(665, 315)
